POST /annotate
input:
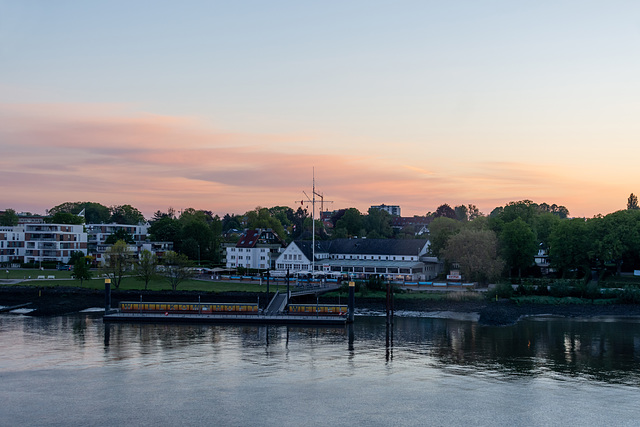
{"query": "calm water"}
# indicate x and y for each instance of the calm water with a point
(76, 371)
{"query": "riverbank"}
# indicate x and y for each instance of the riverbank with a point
(49, 301)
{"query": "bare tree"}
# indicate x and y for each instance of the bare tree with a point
(177, 268)
(118, 260)
(146, 268)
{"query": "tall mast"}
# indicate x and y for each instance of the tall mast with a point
(313, 224)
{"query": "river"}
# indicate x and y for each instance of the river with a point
(75, 371)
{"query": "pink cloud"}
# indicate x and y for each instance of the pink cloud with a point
(57, 153)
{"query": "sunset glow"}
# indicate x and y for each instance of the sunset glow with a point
(413, 104)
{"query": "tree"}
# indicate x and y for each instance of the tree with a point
(616, 238)
(65, 218)
(462, 213)
(476, 251)
(177, 268)
(119, 234)
(76, 256)
(165, 229)
(569, 246)
(446, 211)
(351, 221)
(378, 223)
(94, 213)
(146, 268)
(126, 214)
(9, 218)
(81, 268)
(474, 212)
(117, 262)
(440, 230)
(518, 244)
(632, 202)
(261, 218)
(545, 223)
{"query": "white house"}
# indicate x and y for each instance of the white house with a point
(361, 258)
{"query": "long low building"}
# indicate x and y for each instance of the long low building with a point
(361, 258)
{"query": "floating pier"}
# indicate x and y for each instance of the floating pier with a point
(278, 312)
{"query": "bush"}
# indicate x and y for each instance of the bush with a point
(629, 295)
(501, 290)
(376, 284)
(560, 289)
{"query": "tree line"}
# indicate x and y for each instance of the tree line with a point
(501, 244)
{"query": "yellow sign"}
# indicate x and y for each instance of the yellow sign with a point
(352, 283)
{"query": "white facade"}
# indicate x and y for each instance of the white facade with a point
(254, 258)
(12, 244)
(35, 243)
(294, 260)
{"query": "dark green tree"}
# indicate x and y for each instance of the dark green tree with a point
(352, 222)
(119, 234)
(81, 268)
(94, 213)
(9, 218)
(440, 230)
(65, 218)
(519, 245)
(126, 214)
(446, 211)
(378, 224)
(569, 246)
(632, 202)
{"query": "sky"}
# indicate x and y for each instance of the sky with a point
(226, 106)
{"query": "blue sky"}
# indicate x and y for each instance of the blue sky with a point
(409, 103)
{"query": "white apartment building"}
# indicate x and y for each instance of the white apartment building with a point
(256, 249)
(36, 243)
(391, 209)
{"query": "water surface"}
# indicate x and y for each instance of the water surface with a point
(74, 370)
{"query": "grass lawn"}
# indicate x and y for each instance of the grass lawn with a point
(63, 278)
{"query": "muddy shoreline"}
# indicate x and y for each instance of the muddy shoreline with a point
(62, 300)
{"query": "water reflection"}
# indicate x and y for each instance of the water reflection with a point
(601, 350)
(605, 351)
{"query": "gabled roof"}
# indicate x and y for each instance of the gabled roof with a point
(406, 247)
(248, 239)
(252, 237)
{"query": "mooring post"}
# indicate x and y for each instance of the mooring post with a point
(107, 296)
(388, 303)
(267, 303)
(352, 301)
(288, 287)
